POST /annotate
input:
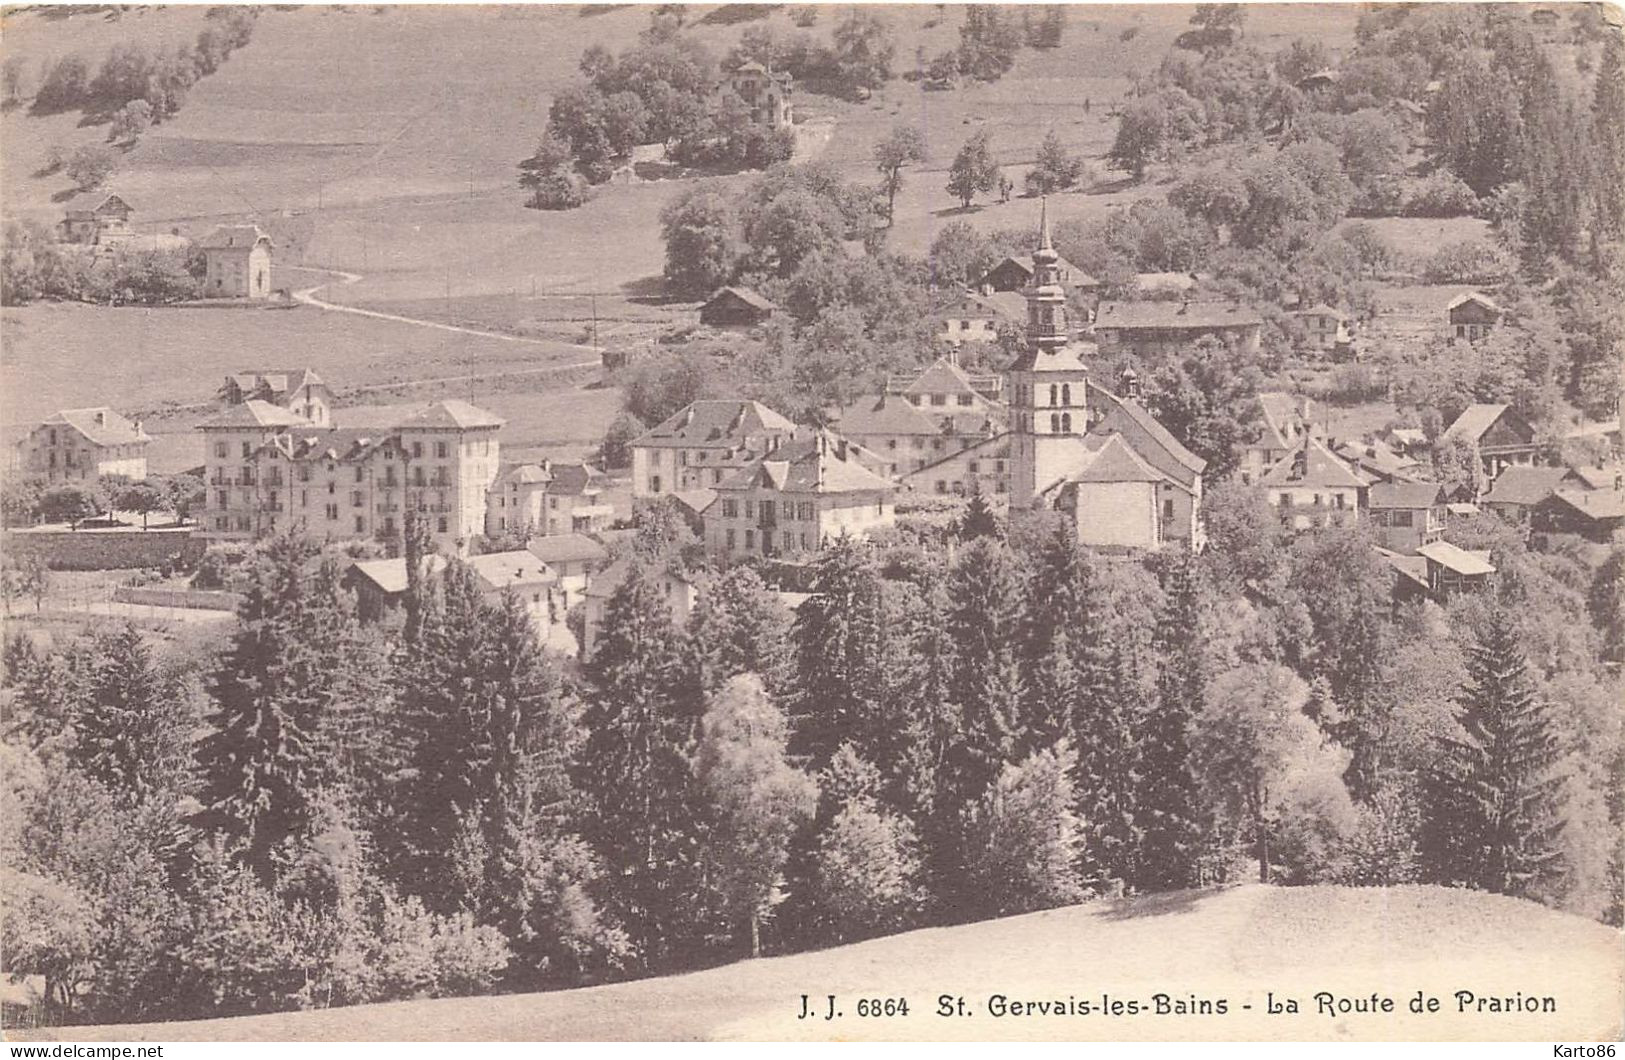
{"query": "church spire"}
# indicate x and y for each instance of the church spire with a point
(1046, 299)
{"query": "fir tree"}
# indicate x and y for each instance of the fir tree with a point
(1106, 780)
(133, 727)
(1170, 805)
(259, 767)
(1492, 819)
(839, 639)
(978, 520)
(740, 627)
(1608, 135)
(986, 590)
(646, 813)
(1359, 687)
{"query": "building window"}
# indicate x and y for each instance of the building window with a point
(939, 399)
(440, 451)
(360, 524)
(360, 474)
(750, 538)
(654, 483)
(441, 524)
(730, 509)
(220, 448)
(1066, 422)
(333, 512)
(750, 508)
(1053, 391)
(355, 499)
(417, 450)
(1054, 423)
(1066, 393)
(730, 538)
(1168, 509)
(1401, 519)
(965, 400)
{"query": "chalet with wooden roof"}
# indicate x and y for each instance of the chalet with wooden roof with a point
(1519, 488)
(976, 317)
(1407, 515)
(1503, 437)
(1160, 329)
(1472, 316)
(94, 220)
(736, 307)
(1015, 273)
(1595, 515)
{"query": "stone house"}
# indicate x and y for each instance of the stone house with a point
(238, 261)
(78, 446)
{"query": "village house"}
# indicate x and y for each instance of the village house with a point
(919, 428)
(795, 498)
(1327, 330)
(267, 468)
(767, 94)
(81, 445)
(1407, 515)
(1311, 487)
(1100, 458)
(1284, 421)
(1015, 274)
(1503, 437)
(574, 557)
(1452, 570)
(238, 262)
(1594, 515)
(1518, 489)
(95, 220)
(547, 497)
(702, 444)
(981, 468)
(976, 317)
(736, 308)
(679, 588)
(380, 588)
(1472, 316)
(300, 391)
(1157, 330)
(1377, 461)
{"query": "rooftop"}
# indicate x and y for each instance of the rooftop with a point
(715, 423)
(389, 575)
(566, 548)
(254, 413)
(1175, 315)
(451, 413)
(1405, 494)
(1456, 559)
(1116, 462)
(234, 237)
(746, 295)
(101, 425)
(502, 570)
(823, 462)
(1475, 420)
(1472, 296)
(1597, 504)
(1311, 464)
(1524, 484)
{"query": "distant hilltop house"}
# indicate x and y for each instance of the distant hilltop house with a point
(95, 220)
(736, 307)
(1159, 329)
(299, 390)
(768, 95)
(81, 445)
(239, 262)
(1472, 316)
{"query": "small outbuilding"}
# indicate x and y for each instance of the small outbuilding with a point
(736, 307)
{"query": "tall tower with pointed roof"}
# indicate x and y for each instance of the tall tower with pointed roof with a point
(1047, 384)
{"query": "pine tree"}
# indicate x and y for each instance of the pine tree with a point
(1170, 805)
(1106, 780)
(1359, 687)
(1492, 813)
(133, 725)
(986, 591)
(839, 639)
(646, 814)
(740, 627)
(1608, 136)
(259, 767)
(979, 520)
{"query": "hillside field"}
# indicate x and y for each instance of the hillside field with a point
(1246, 946)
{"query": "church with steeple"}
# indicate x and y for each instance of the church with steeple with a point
(1099, 457)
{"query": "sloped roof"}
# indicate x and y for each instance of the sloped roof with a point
(1152, 426)
(1524, 484)
(1117, 462)
(279, 381)
(1174, 315)
(1597, 504)
(100, 424)
(1405, 494)
(1472, 296)
(1280, 411)
(1412, 568)
(566, 548)
(1321, 309)
(451, 413)
(695, 500)
(1457, 559)
(1075, 276)
(1475, 420)
(1376, 457)
(573, 478)
(338, 443)
(92, 203)
(714, 423)
(389, 575)
(1073, 357)
(1320, 467)
(255, 413)
(501, 570)
(1594, 477)
(942, 376)
(881, 414)
(744, 294)
(526, 474)
(242, 237)
(606, 581)
(822, 463)
(1001, 305)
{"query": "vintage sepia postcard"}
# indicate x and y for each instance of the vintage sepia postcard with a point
(809, 521)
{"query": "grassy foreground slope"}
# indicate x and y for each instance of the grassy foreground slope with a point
(1241, 945)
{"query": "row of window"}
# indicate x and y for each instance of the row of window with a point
(800, 511)
(788, 541)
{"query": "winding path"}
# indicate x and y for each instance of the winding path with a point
(307, 296)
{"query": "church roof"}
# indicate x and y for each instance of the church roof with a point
(1073, 357)
(1118, 462)
(1142, 418)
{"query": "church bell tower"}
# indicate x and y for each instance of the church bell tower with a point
(1047, 384)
